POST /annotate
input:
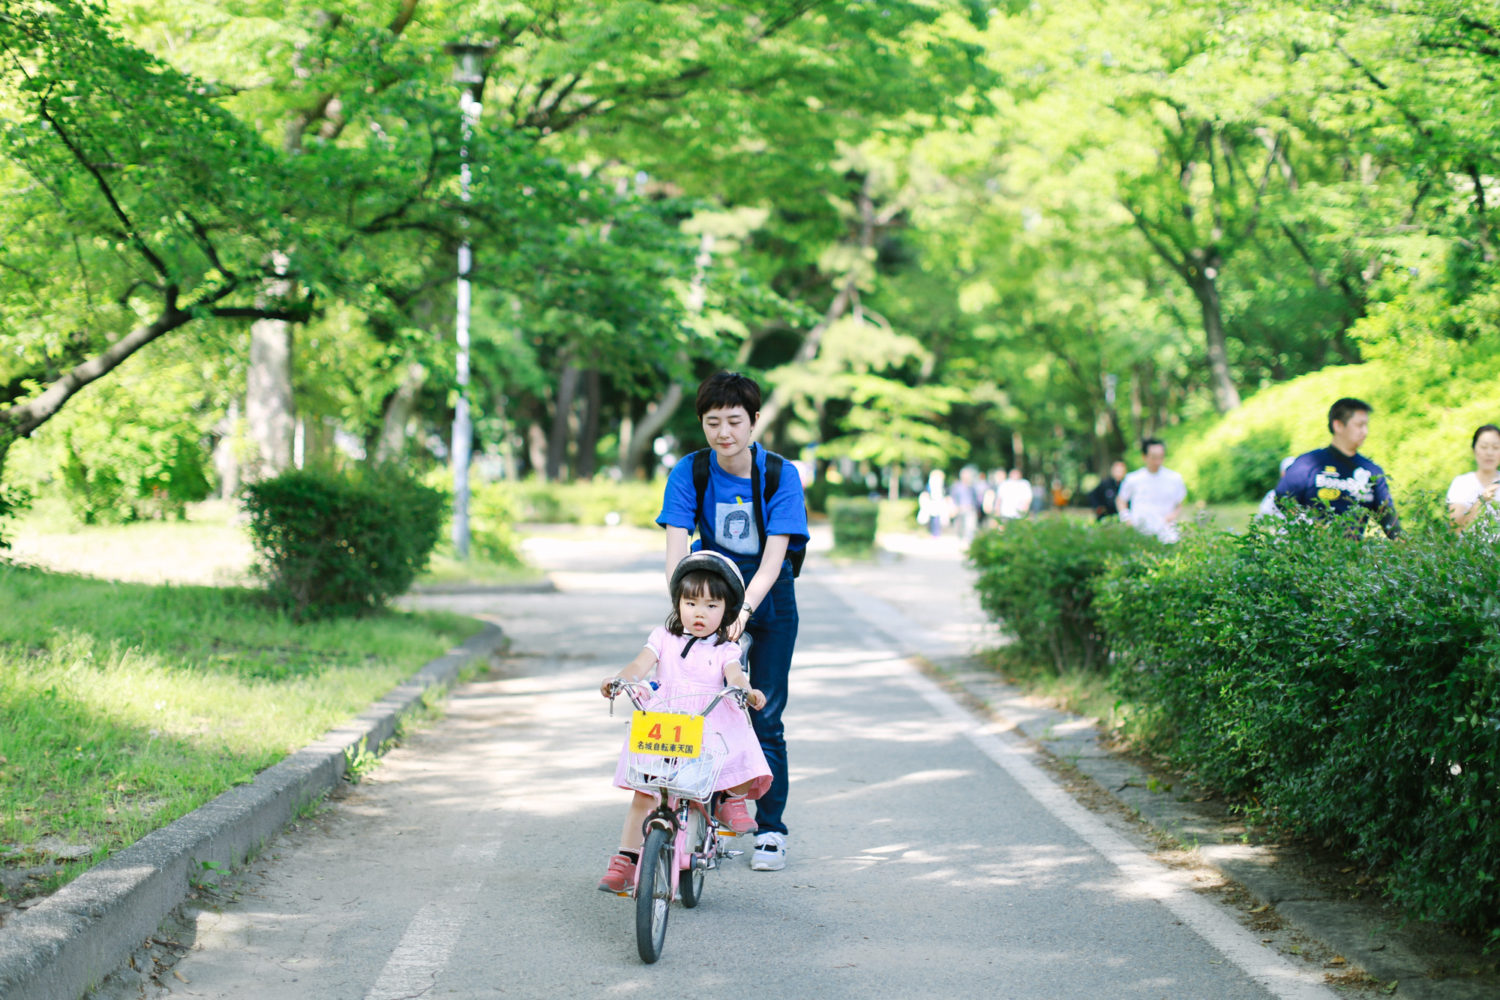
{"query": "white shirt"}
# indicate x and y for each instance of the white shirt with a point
(1465, 492)
(1149, 497)
(1013, 498)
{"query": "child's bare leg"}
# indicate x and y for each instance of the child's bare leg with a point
(631, 837)
(740, 789)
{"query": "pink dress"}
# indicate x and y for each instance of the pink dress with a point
(701, 673)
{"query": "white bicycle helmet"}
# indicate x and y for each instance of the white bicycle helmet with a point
(719, 564)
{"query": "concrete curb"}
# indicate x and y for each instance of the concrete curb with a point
(71, 941)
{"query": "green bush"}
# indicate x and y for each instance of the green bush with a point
(854, 520)
(492, 520)
(825, 490)
(589, 502)
(1347, 687)
(898, 515)
(133, 474)
(341, 544)
(1036, 578)
(13, 501)
(1246, 469)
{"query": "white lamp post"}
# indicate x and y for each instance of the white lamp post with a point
(469, 75)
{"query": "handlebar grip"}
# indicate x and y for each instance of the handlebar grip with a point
(745, 642)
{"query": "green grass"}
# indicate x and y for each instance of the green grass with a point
(124, 706)
(1082, 692)
(444, 568)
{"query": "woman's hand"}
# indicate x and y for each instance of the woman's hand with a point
(738, 627)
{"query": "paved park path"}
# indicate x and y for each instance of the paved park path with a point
(930, 856)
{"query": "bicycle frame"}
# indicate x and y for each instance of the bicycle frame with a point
(672, 810)
(673, 815)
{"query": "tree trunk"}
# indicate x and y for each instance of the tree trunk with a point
(640, 439)
(1226, 396)
(269, 413)
(398, 412)
(536, 447)
(585, 458)
(847, 295)
(646, 431)
(562, 411)
(226, 452)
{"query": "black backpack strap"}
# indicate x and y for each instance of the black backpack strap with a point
(756, 502)
(700, 485)
(774, 463)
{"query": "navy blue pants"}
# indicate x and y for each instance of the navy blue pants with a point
(773, 633)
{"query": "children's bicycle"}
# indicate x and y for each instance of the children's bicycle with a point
(670, 758)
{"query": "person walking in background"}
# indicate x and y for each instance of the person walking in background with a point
(989, 504)
(1102, 497)
(1471, 497)
(1337, 479)
(932, 504)
(1151, 498)
(966, 502)
(1013, 498)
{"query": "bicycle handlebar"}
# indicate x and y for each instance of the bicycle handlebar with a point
(630, 688)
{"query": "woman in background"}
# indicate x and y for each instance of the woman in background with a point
(1471, 497)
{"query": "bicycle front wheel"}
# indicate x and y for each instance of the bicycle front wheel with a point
(653, 894)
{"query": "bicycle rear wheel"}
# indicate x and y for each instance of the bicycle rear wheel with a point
(690, 879)
(653, 894)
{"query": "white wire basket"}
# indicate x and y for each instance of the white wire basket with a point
(689, 777)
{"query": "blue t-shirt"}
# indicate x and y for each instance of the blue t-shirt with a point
(1328, 480)
(728, 524)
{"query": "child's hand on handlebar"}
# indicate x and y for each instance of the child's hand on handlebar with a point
(755, 697)
(611, 687)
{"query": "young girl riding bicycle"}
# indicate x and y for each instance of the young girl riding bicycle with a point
(693, 653)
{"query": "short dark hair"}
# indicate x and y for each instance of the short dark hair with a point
(1345, 408)
(726, 390)
(1148, 442)
(1486, 427)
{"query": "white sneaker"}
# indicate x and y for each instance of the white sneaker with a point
(770, 852)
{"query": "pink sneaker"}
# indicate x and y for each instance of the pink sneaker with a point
(733, 815)
(619, 877)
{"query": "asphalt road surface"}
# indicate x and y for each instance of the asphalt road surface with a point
(929, 856)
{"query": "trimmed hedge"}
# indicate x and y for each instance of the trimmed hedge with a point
(854, 520)
(1350, 688)
(330, 544)
(599, 501)
(1036, 578)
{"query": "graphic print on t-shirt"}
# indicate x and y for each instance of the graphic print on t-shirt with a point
(1359, 487)
(734, 527)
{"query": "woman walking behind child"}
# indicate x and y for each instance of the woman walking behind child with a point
(692, 654)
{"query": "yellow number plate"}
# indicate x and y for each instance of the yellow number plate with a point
(666, 734)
